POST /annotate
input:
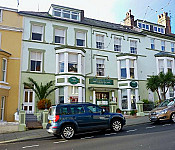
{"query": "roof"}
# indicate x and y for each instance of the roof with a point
(165, 54)
(5, 51)
(85, 21)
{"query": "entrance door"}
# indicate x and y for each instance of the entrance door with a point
(2, 108)
(102, 99)
(28, 101)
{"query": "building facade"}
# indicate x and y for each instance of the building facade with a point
(92, 60)
(10, 54)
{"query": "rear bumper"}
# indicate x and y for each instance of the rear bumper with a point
(52, 129)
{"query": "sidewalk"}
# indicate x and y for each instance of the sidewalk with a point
(42, 133)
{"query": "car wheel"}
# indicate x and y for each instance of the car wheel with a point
(116, 125)
(173, 117)
(68, 132)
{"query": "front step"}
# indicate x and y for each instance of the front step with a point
(32, 123)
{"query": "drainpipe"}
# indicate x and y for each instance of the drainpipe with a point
(91, 55)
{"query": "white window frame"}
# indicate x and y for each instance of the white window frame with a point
(172, 47)
(2, 108)
(148, 27)
(117, 42)
(162, 45)
(133, 44)
(42, 32)
(100, 44)
(156, 29)
(161, 69)
(152, 43)
(1, 13)
(61, 37)
(73, 62)
(74, 89)
(41, 64)
(83, 39)
(101, 68)
(4, 70)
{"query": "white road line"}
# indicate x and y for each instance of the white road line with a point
(131, 130)
(30, 146)
(60, 142)
(166, 125)
(107, 134)
(150, 127)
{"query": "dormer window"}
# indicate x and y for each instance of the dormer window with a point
(66, 14)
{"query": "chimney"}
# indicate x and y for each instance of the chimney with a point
(164, 20)
(129, 19)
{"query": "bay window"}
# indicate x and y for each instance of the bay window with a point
(72, 63)
(161, 65)
(123, 69)
(61, 62)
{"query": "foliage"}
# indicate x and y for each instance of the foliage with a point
(162, 82)
(41, 91)
(44, 103)
(146, 101)
(118, 110)
(133, 112)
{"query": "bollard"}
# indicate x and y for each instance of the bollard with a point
(22, 120)
(140, 108)
(45, 118)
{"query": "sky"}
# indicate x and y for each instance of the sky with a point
(106, 10)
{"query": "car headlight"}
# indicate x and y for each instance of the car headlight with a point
(163, 111)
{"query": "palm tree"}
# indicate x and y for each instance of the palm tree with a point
(41, 91)
(153, 84)
(165, 81)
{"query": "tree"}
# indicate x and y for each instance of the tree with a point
(153, 84)
(162, 82)
(41, 91)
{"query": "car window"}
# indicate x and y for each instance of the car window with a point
(77, 110)
(171, 103)
(62, 110)
(94, 109)
(51, 110)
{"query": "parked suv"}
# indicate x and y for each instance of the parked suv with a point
(164, 112)
(68, 119)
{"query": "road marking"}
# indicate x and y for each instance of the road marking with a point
(60, 142)
(131, 130)
(107, 134)
(166, 125)
(87, 137)
(30, 146)
(150, 127)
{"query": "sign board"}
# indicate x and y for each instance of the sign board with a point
(101, 81)
(133, 84)
(73, 80)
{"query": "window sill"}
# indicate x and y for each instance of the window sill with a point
(4, 82)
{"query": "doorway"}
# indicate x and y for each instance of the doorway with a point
(102, 99)
(28, 102)
(2, 108)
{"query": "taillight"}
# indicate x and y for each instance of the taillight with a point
(56, 118)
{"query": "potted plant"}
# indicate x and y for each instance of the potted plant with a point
(118, 110)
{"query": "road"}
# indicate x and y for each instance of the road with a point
(138, 137)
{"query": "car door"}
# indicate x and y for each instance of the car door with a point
(97, 119)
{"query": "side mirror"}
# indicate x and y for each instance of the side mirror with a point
(103, 111)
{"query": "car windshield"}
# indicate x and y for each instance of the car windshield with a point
(167, 102)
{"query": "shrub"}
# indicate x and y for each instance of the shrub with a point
(118, 110)
(133, 112)
(43, 103)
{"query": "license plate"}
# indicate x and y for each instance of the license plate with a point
(153, 117)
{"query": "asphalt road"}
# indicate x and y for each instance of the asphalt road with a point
(139, 137)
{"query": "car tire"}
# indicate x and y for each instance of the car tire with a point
(116, 125)
(67, 132)
(173, 118)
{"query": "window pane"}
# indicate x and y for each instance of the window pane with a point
(73, 58)
(123, 64)
(36, 36)
(124, 99)
(38, 66)
(37, 29)
(31, 97)
(32, 65)
(56, 13)
(80, 42)
(61, 66)
(26, 96)
(123, 72)
(72, 67)
(59, 32)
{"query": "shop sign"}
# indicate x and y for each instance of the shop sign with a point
(133, 84)
(73, 80)
(101, 81)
